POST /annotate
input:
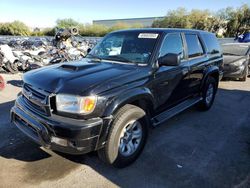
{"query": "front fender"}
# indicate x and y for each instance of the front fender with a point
(129, 97)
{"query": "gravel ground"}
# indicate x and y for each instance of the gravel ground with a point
(193, 149)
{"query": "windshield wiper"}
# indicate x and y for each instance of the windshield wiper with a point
(119, 58)
(94, 57)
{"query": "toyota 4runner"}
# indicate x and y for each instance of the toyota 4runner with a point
(130, 81)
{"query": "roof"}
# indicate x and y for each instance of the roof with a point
(124, 19)
(162, 30)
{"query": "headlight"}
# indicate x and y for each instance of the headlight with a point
(75, 104)
(239, 62)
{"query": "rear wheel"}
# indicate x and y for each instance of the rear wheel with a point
(208, 93)
(127, 137)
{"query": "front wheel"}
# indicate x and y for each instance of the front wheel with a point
(127, 137)
(208, 94)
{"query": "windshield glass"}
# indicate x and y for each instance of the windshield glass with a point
(129, 47)
(235, 49)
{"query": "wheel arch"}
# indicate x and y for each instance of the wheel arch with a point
(213, 72)
(140, 97)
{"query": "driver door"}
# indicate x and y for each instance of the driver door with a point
(171, 82)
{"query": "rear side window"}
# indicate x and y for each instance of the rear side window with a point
(212, 44)
(194, 46)
(172, 44)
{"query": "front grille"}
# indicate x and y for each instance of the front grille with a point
(35, 92)
(36, 100)
(33, 107)
(24, 123)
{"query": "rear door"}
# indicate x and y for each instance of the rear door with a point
(197, 61)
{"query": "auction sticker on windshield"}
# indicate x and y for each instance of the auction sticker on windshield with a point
(148, 35)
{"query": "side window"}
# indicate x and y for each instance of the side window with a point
(172, 44)
(212, 44)
(194, 46)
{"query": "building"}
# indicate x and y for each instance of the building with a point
(145, 22)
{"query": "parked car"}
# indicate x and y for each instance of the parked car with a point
(236, 60)
(131, 80)
(244, 37)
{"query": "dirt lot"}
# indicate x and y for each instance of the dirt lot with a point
(193, 149)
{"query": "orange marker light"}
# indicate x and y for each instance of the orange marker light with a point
(89, 104)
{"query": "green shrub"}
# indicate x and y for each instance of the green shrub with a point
(48, 32)
(93, 30)
(14, 28)
(67, 23)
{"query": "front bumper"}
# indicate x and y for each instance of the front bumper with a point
(57, 133)
(232, 71)
(220, 75)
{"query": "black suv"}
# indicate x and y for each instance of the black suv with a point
(131, 80)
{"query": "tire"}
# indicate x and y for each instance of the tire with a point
(118, 151)
(12, 67)
(244, 78)
(208, 94)
(1, 59)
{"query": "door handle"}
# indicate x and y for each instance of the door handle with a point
(164, 83)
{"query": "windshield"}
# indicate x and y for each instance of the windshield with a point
(235, 49)
(129, 47)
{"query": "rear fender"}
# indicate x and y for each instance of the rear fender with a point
(211, 71)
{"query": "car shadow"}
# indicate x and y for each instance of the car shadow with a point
(17, 83)
(193, 149)
(14, 144)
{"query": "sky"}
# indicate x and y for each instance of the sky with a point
(44, 13)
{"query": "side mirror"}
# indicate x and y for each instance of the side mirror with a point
(88, 50)
(169, 59)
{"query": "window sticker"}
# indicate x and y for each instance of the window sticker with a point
(148, 35)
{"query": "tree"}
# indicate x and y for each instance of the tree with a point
(67, 23)
(243, 19)
(235, 21)
(48, 32)
(92, 30)
(229, 22)
(200, 19)
(14, 28)
(120, 25)
(174, 19)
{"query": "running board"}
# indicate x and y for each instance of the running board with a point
(157, 120)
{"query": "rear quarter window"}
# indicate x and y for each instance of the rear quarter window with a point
(194, 46)
(211, 43)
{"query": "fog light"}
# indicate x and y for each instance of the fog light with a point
(59, 141)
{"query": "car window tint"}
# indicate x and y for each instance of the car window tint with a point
(172, 44)
(212, 43)
(194, 46)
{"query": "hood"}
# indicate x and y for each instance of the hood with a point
(82, 76)
(227, 59)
